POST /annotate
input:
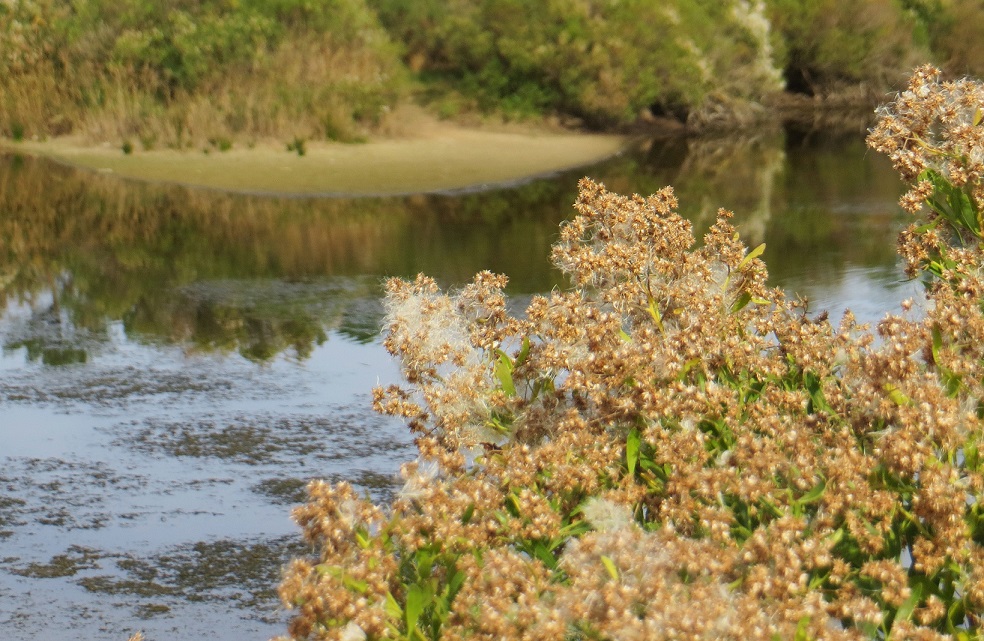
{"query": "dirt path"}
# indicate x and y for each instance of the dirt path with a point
(441, 157)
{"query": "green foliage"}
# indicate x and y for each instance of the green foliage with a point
(952, 28)
(826, 43)
(603, 62)
(221, 143)
(181, 50)
(146, 66)
(263, 64)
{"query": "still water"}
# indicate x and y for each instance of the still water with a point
(177, 363)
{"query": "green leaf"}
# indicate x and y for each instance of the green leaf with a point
(654, 312)
(454, 583)
(503, 371)
(961, 203)
(801, 629)
(952, 203)
(632, 450)
(425, 561)
(955, 616)
(814, 495)
(355, 585)
(909, 605)
(897, 396)
(393, 609)
(571, 530)
(741, 302)
(542, 551)
(469, 511)
(610, 566)
(689, 365)
(971, 455)
(869, 629)
(418, 597)
(498, 423)
(937, 344)
(524, 352)
(752, 255)
(513, 506)
(978, 114)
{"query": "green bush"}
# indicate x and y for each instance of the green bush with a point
(827, 44)
(952, 28)
(601, 61)
(262, 68)
(184, 49)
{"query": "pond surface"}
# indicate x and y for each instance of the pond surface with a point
(177, 363)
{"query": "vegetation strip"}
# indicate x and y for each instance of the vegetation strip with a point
(458, 159)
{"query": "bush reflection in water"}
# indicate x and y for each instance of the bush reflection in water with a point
(263, 276)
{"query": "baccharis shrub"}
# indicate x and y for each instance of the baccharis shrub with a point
(670, 449)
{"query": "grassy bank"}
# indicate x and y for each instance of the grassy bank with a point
(223, 72)
(448, 158)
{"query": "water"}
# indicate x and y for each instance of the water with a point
(177, 363)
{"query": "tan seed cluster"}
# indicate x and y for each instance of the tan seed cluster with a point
(670, 449)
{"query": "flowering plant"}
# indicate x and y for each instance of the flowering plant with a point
(671, 449)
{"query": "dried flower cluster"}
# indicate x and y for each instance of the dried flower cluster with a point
(672, 450)
(934, 124)
(934, 137)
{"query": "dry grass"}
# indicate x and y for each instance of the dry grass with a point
(309, 88)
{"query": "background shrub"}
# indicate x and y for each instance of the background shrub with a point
(600, 61)
(184, 72)
(828, 43)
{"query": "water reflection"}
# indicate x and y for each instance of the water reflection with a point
(263, 276)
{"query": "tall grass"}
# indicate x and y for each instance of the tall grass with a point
(178, 74)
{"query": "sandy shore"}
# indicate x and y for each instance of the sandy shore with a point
(442, 159)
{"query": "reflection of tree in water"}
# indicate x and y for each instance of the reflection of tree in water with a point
(259, 319)
(49, 336)
(262, 276)
(81, 250)
(234, 273)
